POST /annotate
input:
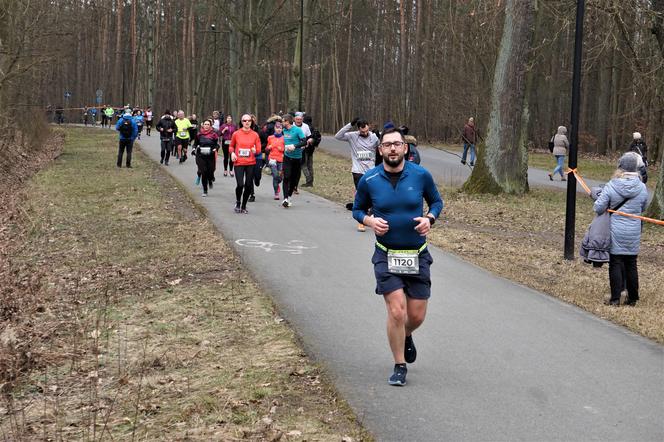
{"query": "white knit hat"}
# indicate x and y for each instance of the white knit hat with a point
(636, 135)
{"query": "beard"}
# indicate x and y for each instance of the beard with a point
(393, 162)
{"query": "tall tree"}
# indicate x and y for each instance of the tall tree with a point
(503, 159)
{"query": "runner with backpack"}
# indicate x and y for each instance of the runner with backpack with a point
(128, 133)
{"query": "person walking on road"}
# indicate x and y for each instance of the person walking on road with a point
(206, 143)
(313, 140)
(469, 137)
(182, 136)
(294, 140)
(395, 190)
(560, 147)
(626, 191)
(128, 133)
(275, 149)
(363, 144)
(244, 145)
(166, 128)
(227, 130)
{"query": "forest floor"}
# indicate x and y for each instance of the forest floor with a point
(521, 238)
(141, 322)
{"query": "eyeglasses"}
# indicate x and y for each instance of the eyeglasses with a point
(246, 121)
(388, 144)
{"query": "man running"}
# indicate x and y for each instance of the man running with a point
(313, 140)
(182, 136)
(166, 128)
(401, 260)
(362, 144)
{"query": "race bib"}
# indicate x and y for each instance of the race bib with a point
(182, 134)
(403, 262)
(272, 162)
(244, 152)
(364, 155)
(205, 150)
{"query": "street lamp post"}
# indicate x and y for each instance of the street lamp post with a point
(570, 210)
(301, 49)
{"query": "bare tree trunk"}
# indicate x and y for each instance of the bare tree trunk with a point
(502, 164)
(656, 208)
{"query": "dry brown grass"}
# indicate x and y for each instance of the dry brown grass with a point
(521, 238)
(144, 326)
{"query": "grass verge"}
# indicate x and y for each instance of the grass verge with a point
(521, 238)
(142, 323)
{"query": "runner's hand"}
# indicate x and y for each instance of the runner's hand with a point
(233, 157)
(379, 225)
(253, 150)
(423, 225)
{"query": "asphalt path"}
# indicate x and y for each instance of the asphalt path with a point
(446, 167)
(496, 361)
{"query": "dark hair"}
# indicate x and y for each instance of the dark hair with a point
(403, 129)
(287, 117)
(391, 131)
(208, 120)
(307, 120)
(361, 123)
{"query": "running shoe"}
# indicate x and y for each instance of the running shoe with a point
(276, 196)
(204, 194)
(252, 198)
(296, 192)
(409, 350)
(197, 181)
(237, 208)
(286, 203)
(232, 173)
(245, 211)
(225, 173)
(361, 228)
(398, 378)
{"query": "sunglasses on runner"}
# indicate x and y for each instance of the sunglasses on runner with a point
(246, 121)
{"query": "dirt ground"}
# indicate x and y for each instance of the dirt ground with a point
(130, 317)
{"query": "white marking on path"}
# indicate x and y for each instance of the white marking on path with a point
(294, 247)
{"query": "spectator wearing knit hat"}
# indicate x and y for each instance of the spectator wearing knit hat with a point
(625, 190)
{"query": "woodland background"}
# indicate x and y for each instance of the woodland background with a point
(426, 63)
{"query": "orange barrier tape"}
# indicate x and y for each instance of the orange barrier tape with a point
(617, 212)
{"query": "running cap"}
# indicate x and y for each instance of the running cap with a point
(636, 135)
(299, 114)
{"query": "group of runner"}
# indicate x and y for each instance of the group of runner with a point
(279, 144)
(390, 190)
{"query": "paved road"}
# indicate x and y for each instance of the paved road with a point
(497, 361)
(447, 169)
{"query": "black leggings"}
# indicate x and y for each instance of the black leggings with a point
(292, 172)
(228, 164)
(623, 273)
(166, 146)
(205, 165)
(244, 176)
